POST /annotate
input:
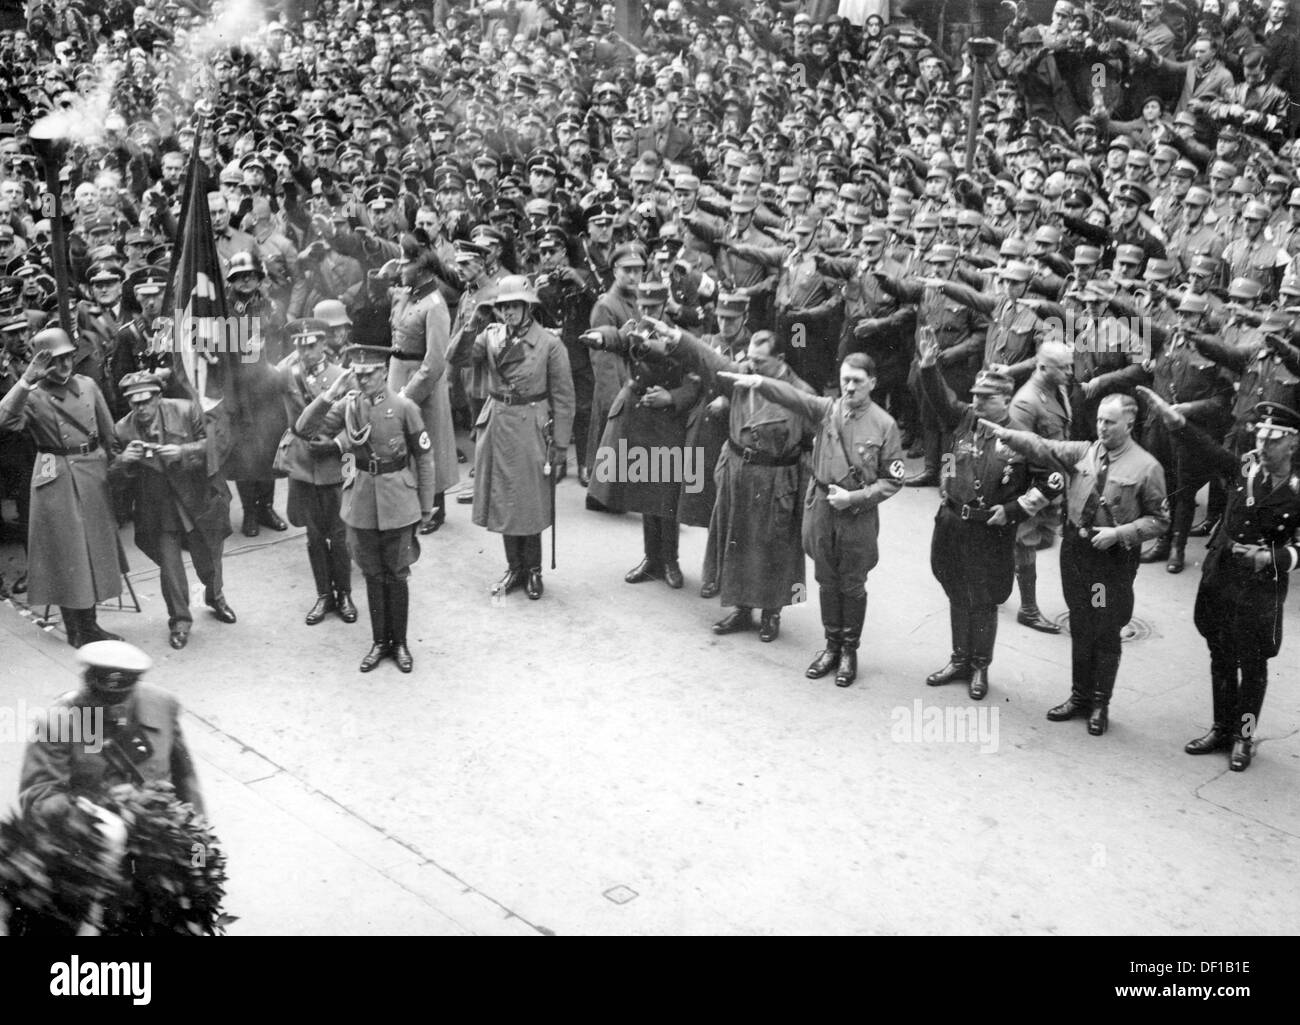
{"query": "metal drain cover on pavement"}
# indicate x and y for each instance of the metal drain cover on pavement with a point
(620, 894)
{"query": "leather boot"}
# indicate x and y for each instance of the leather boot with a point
(1027, 581)
(1158, 552)
(91, 630)
(399, 605)
(533, 586)
(854, 611)
(769, 627)
(1250, 701)
(983, 635)
(250, 527)
(1099, 717)
(318, 558)
(829, 657)
(1243, 750)
(1177, 559)
(958, 667)
(1073, 707)
(347, 610)
(375, 600)
(324, 605)
(72, 625)
(740, 618)
(1219, 738)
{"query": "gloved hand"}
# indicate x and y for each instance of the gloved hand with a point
(322, 448)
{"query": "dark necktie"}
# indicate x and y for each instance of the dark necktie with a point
(1103, 468)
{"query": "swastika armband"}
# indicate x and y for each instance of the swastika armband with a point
(423, 443)
(897, 470)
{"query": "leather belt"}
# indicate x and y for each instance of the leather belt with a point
(1082, 533)
(518, 400)
(970, 513)
(410, 356)
(76, 450)
(760, 458)
(377, 466)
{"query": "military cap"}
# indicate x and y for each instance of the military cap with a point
(1076, 198)
(650, 293)
(1159, 270)
(1025, 202)
(1274, 420)
(137, 237)
(544, 163)
(686, 183)
(379, 196)
(941, 253)
(743, 205)
(875, 233)
(602, 213)
(1121, 142)
(306, 330)
(1191, 302)
(798, 194)
(1242, 186)
(1185, 119)
(1290, 286)
(1255, 211)
(731, 304)
(366, 358)
(1016, 271)
(141, 382)
(1276, 322)
(752, 174)
(1166, 153)
(991, 382)
(231, 174)
(629, 254)
(114, 657)
(1278, 183)
(1197, 196)
(1203, 264)
(1222, 169)
(1244, 288)
(927, 220)
(1099, 290)
(148, 280)
(102, 273)
(552, 238)
(855, 213)
(14, 324)
(53, 339)
(102, 221)
(1048, 234)
(466, 251)
(804, 225)
(1229, 133)
(1132, 192)
(1013, 248)
(1139, 158)
(448, 179)
(1079, 166)
(1129, 254)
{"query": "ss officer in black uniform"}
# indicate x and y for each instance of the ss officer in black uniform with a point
(1244, 579)
(857, 463)
(1115, 502)
(388, 489)
(985, 491)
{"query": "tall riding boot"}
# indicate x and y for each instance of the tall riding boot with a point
(1105, 669)
(854, 611)
(1250, 701)
(376, 600)
(1027, 580)
(983, 634)
(668, 545)
(1159, 552)
(958, 668)
(72, 625)
(1177, 544)
(399, 604)
(318, 557)
(1223, 686)
(929, 477)
(91, 630)
(829, 657)
(340, 565)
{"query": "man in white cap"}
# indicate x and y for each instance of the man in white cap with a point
(133, 736)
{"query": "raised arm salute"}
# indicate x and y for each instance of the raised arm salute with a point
(1115, 501)
(857, 463)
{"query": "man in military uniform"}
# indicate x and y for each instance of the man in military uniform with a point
(74, 557)
(1244, 579)
(984, 494)
(1194, 236)
(614, 309)
(857, 463)
(388, 489)
(524, 432)
(960, 330)
(565, 295)
(177, 506)
(135, 347)
(98, 322)
(1253, 256)
(17, 450)
(1115, 501)
(314, 468)
(141, 739)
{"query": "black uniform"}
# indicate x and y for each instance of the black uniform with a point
(1239, 610)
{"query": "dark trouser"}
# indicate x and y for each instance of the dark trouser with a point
(844, 549)
(973, 563)
(584, 387)
(327, 538)
(385, 558)
(934, 438)
(1184, 477)
(255, 494)
(660, 536)
(893, 393)
(205, 553)
(1027, 577)
(1098, 590)
(16, 479)
(523, 551)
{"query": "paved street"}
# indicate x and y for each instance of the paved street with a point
(600, 762)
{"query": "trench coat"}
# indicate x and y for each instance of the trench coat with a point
(511, 493)
(74, 558)
(421, 332)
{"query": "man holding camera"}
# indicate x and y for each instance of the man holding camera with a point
(178, 507)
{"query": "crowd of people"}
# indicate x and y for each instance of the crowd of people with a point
(1058, 265)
